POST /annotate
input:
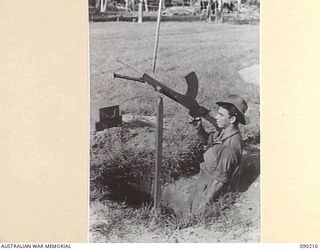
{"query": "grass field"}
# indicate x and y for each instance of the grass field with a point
(216, 53)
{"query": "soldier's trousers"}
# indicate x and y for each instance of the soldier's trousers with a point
(204, 190)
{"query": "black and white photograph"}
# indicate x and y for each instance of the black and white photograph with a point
(174, 121)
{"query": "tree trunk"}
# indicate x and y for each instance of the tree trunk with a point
(146, 5)
(127, 5)
(208, 14)
(219, 14)
(140, 12)
(133, 5)
(216, 10)
(97, 4)
(104, 5)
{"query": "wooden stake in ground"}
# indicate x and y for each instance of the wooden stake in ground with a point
(159, 134)
(157, 38)
(157, 188)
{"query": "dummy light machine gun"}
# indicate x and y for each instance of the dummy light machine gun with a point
(188, 100)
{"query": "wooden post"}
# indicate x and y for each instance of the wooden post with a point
(159, 134)
(157, 38)
(140, 12)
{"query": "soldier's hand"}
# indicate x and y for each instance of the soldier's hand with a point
(196, 122)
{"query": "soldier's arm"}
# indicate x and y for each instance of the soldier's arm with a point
(229, 159)
(203, 136)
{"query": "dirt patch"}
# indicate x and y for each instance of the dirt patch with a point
(240, 223)
(250, 74)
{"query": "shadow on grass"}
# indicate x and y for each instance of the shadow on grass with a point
(122, 191)
(137, 124)
(250, 169)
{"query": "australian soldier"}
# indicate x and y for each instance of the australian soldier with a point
(224, 152)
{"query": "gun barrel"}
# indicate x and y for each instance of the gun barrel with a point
(136, 79)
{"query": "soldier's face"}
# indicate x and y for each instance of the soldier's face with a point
(223, 118)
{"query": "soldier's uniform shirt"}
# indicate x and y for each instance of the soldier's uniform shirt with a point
(220, 161)
(223, 155)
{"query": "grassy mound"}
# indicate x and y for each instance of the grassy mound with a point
(123, 160)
